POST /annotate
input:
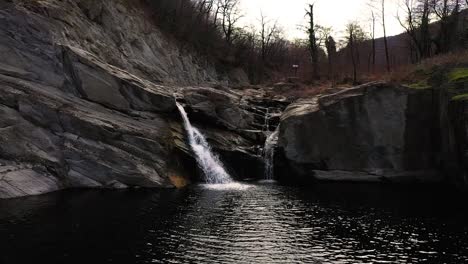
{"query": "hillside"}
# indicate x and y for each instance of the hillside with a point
(127, 38)
(402, 51)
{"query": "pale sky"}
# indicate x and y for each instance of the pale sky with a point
(331, 13)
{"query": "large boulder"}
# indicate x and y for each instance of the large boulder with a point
(374, 132)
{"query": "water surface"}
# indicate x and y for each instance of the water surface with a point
(237, 223)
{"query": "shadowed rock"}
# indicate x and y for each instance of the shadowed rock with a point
(375, 132)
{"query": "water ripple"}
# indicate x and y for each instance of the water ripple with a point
(233, 223)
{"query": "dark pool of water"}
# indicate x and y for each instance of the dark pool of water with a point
(259, 223)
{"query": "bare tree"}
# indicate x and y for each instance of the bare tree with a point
(325, 41)
(355, 35)
(268, 31)
(416, 24)
(313, 46)
(372, 54)
(322, 33)
(330, 45)
(380, 7)
(212, 29)
(447, 11)
(424, 15)
(217, 12)
(204, 8)
(373, 39)
(229, 10)
(387, 56)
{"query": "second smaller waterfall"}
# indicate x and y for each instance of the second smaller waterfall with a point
(268, 154)
(207, 160)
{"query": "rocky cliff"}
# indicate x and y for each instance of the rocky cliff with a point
(87, 99)
(378, 132)
(367, 133)
(119, 33)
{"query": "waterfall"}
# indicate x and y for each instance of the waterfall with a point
(268, 154)
(208, 162)
(266, 125)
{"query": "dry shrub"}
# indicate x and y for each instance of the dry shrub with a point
(306, 90)
(416, 72)
(408, 74)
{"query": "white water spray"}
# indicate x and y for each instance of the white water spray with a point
(268, 154)
(206, 159)
(266, 125)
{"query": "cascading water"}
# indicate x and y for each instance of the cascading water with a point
(207, 160)
(266, 125)
(268, 154)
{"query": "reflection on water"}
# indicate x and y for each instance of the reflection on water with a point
(237, 223)
(234, 186)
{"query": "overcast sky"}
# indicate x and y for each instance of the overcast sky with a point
(331, 13)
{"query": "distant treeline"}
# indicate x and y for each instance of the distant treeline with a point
(212, 28)
(432, 28)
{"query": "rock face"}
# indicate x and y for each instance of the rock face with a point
(87, 100)
(458, 150)
(117, 32)
(80, 143)
(453, 116)
(375, 132)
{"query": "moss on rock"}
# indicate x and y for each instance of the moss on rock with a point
(458, 74)
(423, 84)
(460, 97)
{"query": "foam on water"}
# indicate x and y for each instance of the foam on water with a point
(267, 181)
(209, 162)
(268, 154)
(234, 186)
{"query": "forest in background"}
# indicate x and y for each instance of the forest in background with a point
(212, 28)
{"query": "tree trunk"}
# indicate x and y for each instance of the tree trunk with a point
(353, 59)
(373, 42)
(387, 56)
(313, 43)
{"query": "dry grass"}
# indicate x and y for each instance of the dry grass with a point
(302, 90)
(306, 90)
(416, 76)
(418, 72)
